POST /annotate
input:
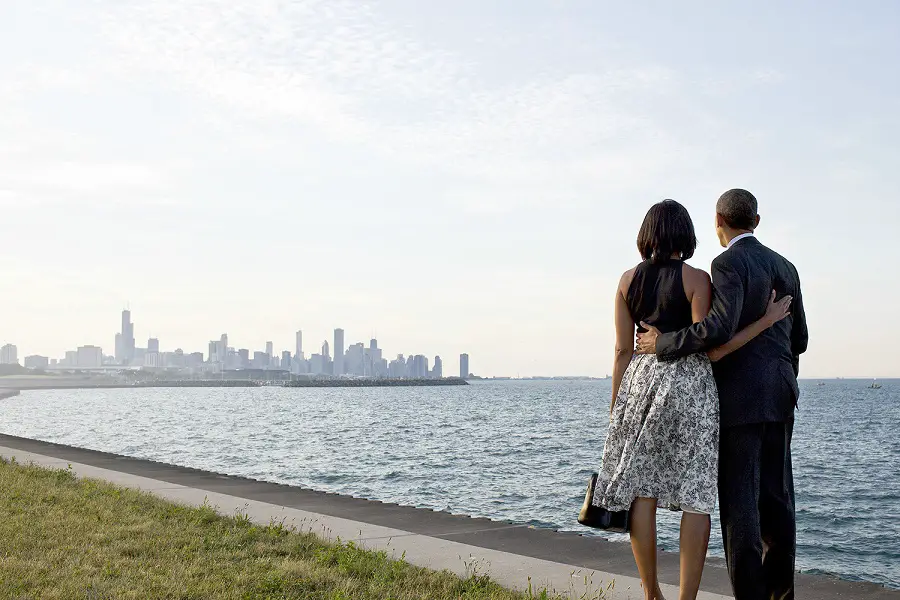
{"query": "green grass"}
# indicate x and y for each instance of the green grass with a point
(68, 538)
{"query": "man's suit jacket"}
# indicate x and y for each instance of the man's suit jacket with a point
(758, 383)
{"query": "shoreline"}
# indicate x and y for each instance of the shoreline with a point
(14, 386)
(525, 543)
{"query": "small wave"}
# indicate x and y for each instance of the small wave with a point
(540, 524)
(330, 478)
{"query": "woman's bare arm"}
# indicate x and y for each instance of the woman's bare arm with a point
(775, 312)
(698, 288)
(624, 336)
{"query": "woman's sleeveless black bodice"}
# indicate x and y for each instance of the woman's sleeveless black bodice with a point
(656, 296)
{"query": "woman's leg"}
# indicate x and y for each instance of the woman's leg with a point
(643, 544)
(694, 543)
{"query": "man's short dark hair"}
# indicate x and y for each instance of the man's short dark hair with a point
(667, 230)
(738, 208)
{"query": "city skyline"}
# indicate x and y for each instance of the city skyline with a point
(365, 359)
(464, 176)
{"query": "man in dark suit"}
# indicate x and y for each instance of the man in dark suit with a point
(758, 393)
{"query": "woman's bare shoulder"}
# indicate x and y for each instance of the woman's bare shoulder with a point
(626, 279)
(694, 273)
(695, 278)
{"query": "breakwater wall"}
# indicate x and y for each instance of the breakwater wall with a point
(376, 382)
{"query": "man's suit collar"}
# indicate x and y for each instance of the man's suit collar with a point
(742, 240)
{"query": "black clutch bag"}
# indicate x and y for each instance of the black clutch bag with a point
(600, 518)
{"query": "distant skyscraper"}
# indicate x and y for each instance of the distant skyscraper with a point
(317, 364)
(376, 366)
(270, 348)
(232, 360)
(355, 362)
(213, 351)
(222, 349)
(420, 367)
(338, 352)
(89, 357)
(37, 362)
(175, 359)
(301, 366)
(9, 355)
(125, 346)
(244, 358)
(326, 352)
(438, 371)
(286, 360)
(298, 351)
(153, 357)
(129, 338)
(397, 367)
(464, 366)
(260, 360)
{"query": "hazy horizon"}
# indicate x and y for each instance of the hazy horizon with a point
(457, 177)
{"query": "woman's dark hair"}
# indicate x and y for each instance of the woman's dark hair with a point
(667, 230)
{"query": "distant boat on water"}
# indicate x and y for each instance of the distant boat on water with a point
(875, 385)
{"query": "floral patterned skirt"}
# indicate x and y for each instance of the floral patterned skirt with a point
(663, 439)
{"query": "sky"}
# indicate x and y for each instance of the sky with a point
(450, 177)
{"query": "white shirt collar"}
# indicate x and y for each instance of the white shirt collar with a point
(736, 239)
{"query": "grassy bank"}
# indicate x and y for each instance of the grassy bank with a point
(65, 538)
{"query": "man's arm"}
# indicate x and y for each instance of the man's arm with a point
(799, 331)
(721, 323)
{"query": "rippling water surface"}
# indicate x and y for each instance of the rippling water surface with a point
(520, 451)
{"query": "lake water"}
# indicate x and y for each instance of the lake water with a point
(518, 451)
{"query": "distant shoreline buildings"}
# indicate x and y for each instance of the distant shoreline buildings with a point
(9, 355)
(357, 360)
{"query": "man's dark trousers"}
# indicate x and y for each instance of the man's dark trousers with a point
(756, 503)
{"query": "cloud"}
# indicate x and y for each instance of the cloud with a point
(283, 78)
(45, 160)
(743, 80)
(44, 163)
(286, 77)
(83, 178)
(339, 68)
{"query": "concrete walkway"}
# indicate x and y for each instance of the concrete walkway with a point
(513, 555)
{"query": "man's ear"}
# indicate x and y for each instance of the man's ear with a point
(720, 222)
(757, 222)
